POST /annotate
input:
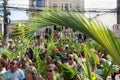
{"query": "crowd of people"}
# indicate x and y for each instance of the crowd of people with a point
(23, 68)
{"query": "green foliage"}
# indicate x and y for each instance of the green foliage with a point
(39, 64)
(78, 47)
(19, 49)
(0, 35)
(108, 69)
(63, 37)
(93, 44)
(94, 29)
(68, 73)
(51, 47)
(87, 66)
(22, 46)
(59, 29)
(9, 54)
(20, 31)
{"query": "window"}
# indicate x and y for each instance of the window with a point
(66, 6)
(33, 3)
(55, 27)
(78, 7)
(70, 5)
(54, 5)
(39, 3)
(62, 6)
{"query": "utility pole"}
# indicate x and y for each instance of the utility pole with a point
(118, 11)
(6, 22)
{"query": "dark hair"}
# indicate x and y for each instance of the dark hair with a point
(18, 63)
(42, 56)
(2, 63)
(82, 53)
(4, 56)
(66, 48)
(65, 59)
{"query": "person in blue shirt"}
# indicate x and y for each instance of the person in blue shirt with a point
(14, 73)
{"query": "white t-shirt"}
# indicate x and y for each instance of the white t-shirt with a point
(3, 71)
(117, 77)
(72, 65)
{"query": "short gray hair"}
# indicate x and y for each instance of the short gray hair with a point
(33, 70)
(52, 66)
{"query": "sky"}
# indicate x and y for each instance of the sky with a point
(19, 3)
(16, 14)
(104, 4)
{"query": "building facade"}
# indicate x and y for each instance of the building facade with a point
(77, 5)
(63, 4)
(66, 4)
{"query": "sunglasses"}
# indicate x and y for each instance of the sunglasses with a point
(12, 63)
(49, 70)
(70, 58)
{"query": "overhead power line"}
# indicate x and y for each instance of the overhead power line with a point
(37, 9)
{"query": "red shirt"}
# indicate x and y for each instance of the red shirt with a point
(48, 79)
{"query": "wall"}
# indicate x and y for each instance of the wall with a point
(108, 19)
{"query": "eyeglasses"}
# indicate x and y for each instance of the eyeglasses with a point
(49, 70)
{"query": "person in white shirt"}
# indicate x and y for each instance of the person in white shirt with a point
(117, 77)
(71, 63)
(2, 67)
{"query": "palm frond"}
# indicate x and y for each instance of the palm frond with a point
(93, 28)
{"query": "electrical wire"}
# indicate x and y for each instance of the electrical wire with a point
(40, 9)
(22, 7)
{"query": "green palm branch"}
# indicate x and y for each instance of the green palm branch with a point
(68, 73)
(93, 28)
(0, 35)
(20, 31)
